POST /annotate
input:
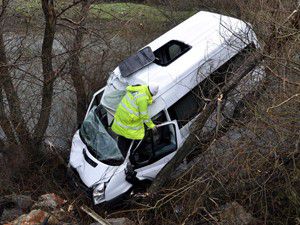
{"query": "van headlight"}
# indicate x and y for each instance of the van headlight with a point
(99, 193)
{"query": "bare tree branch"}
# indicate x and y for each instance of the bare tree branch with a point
(3, 7)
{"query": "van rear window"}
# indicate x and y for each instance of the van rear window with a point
(169, 52)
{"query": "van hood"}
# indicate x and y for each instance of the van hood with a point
(90, 170)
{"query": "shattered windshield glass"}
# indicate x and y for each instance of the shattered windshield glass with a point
(100, 144)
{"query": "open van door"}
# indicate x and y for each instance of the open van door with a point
(155, 150)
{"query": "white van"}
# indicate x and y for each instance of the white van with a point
(190, 63)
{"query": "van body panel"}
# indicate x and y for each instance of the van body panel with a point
(117, 185)
(201, 26)
(150, 171)
(207, 33)
(158, 105)
(212, 37)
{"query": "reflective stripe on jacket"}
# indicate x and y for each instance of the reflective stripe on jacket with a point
(132, 113)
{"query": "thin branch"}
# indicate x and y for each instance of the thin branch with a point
(284, 102)
(72, 21)
(282, 78)
(94, 215)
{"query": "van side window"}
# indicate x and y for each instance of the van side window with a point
(193, 102)
(169, 52)
(186, 108)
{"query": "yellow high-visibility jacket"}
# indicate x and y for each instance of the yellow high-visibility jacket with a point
(132, 113)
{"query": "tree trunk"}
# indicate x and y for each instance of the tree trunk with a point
(75, 71)
(6, 83)
(191, 143)
(4, 122)
(48, 73)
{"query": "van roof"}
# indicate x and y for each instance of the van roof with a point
(206, 33)
(201, 26)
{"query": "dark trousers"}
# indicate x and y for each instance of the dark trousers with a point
(124, 144)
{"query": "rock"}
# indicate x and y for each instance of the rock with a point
(12, 206)
(49, 209)
(33, 218)
(53, 221)
(117, 221)
(57, 216)
(49, 202)
(234, 213)
(23, 202)
(10, 214)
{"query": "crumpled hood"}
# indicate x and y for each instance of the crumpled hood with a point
(89, 175)
(142, 89)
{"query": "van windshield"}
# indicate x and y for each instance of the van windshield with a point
(99, 143)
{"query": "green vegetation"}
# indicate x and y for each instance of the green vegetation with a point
(28, 8)
(107, 11)
(125, 11)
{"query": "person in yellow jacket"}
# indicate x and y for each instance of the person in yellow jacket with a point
(132, 114)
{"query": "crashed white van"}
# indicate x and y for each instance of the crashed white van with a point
(190, 63)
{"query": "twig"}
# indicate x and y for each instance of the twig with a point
(72, 21)
(285, 101)
(219, 104)
(282, 78)
(94, 215)
(292, 14)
